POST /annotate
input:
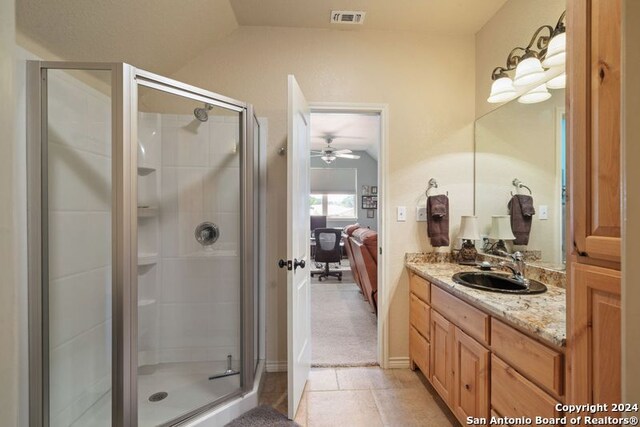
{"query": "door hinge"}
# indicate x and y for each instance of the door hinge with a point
(380, 251)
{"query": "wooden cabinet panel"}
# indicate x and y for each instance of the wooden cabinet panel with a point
(512, 395)
(419, 315)
(594, 335)
(470, 377)
(419, 352)
(420, 287)
(593, 67)
(441, 346)
(470, 319)
(538, 362)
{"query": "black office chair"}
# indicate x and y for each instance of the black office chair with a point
(328, 250)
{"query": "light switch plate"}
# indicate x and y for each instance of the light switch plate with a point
(421, 213)
(543, 212)
(402, 213)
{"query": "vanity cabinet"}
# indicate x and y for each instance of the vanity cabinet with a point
(593, 291)
(478, 364)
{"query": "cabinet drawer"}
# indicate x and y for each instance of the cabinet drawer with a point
(420, 287)
(537, 361)
(469, 319)
(512, 395)
(419, 315)
(419, 351)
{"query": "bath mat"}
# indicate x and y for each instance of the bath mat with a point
(262, 416)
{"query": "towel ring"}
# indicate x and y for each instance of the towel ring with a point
(518, 184)
(433, 184)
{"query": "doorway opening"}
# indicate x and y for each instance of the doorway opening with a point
(345, 226)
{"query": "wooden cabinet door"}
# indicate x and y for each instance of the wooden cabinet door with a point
(594, 335)
(441, 347)
(593, 70)
(470, 377)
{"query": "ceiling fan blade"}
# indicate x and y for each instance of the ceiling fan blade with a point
(317, 155)
(317, 152)
(348, 156)
(343, 151)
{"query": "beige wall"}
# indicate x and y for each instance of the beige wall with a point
(8, 282)
(428, 83)
(513, 25)
(631, 219)
(521, 141)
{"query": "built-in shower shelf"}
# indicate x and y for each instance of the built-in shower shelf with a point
(145, 169)
(147, 259)
(146, 302)
(147, 211)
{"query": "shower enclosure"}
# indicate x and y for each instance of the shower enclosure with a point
(143, 243)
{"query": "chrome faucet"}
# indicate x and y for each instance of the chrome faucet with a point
(517, 267)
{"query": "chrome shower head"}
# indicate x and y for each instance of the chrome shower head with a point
(202, 114)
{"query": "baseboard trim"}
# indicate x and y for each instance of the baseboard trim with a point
(279, 365)
(398, 362)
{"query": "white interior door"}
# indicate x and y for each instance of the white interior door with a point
(298, 240)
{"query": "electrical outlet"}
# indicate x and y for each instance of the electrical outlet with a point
(421, 213)
(402, 213)
(543, 212)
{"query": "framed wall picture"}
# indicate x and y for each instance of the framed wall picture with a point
(365, 189)
(374, 190)
(371, 213)
(369, 202)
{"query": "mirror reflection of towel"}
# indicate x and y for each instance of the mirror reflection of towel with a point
(521, 210)
(438, 220)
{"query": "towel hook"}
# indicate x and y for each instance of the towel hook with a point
(518, 184)
(432, 184)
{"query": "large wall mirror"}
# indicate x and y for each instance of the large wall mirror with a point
(520, 149)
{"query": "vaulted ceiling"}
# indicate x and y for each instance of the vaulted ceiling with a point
(164, 35)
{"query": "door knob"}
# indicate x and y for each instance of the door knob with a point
(283, 263)
(297, 264)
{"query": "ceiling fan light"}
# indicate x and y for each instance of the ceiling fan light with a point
(559, 82)
(535, 95)
(556, 52)
(529, 71)
(328, 159)
(502, 90)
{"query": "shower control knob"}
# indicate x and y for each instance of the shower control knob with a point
(282, 264)
(297, 264)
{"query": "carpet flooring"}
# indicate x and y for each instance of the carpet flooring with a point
(262, 416)
(343, 325)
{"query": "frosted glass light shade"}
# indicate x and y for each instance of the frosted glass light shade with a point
(501, 228)
(559, 82)
(469, 228)
(556, 51)
(538, 94)
(502, 90)
(529, 71)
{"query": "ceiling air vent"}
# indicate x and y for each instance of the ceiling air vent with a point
(347, 17)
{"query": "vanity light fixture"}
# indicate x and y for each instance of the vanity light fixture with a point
(535, 95)
(468, 233)
(529, 63)
(559, 82)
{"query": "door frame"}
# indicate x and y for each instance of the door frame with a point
(383, 218)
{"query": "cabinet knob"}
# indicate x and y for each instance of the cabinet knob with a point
(467, 387)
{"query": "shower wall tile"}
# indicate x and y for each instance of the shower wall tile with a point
(215, 279)
(78, 303)
(185, 144)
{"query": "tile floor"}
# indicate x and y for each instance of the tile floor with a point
(362, 396)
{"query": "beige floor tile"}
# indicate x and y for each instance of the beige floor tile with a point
(410, 407)
(351, 408)
(322, 379)
(407, 378)
(301, 415)
(367, 378)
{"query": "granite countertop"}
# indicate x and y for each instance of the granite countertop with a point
(542, 315)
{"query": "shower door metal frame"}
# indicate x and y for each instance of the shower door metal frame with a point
(124, 101)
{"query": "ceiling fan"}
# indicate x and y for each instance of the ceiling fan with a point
(329, 154)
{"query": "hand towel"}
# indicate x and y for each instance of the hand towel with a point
(438, 220)
(521, 210)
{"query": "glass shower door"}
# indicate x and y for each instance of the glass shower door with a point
(189, 255)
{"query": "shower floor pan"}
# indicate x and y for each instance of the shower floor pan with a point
(187, 387)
